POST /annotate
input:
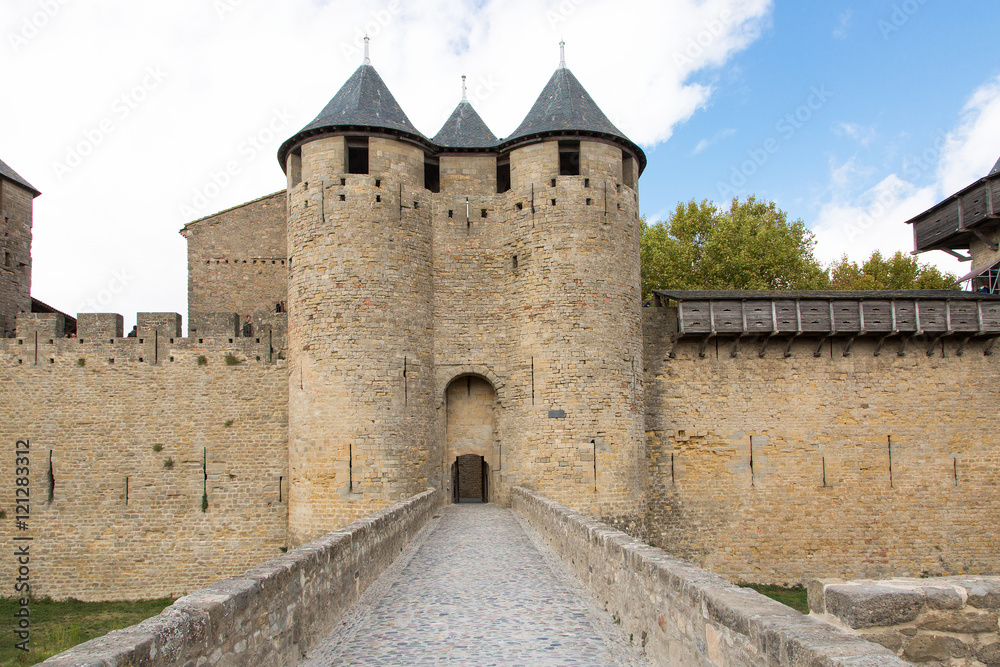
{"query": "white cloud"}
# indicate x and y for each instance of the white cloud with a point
(232, 67)
(864, 135)
(840, 32)
(719, 136)
(857, 226)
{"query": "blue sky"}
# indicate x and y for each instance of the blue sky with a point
(134, 118)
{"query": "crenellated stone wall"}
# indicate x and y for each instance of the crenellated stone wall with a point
(780, 469)
(156, 464)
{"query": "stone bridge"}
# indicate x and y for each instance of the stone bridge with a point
(427, 583)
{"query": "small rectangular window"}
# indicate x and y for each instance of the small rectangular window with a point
(503, 175)
(432, 175)
(357, 155)
(569, 158)
(295, 168)
(629, 172)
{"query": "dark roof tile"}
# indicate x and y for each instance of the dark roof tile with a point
(465, 129)
(364, 101)
(565, 105)
(12, 175)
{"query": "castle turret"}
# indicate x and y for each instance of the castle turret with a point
(360, 329)
(576, 295)
(16, 204)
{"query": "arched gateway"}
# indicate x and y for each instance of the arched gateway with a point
(472, 442)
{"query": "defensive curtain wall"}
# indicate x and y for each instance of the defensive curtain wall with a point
(152, 466)
(780, 445)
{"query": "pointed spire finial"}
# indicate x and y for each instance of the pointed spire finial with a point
(562, 54)
(368, 60)
(465, 95)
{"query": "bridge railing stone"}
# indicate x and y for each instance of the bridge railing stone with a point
(271, 614)
(949, 621)
(683, 615)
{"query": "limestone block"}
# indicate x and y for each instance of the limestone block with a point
(223, 325)
(930, 648)
(168, 324)
(989, 655)
(99, 325)
(968, 622)
(871, 605)
(46, 325)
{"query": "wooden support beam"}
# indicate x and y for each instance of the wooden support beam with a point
(704, 344)
(961, 348)
(819, 348)
(850, 344)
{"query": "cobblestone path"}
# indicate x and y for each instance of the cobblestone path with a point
(476, 587)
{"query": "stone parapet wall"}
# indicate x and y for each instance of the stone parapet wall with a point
(682, 615)
(271, 614)
(946, 621)
(776, 469)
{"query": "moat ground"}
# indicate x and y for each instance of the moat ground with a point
(57, 626)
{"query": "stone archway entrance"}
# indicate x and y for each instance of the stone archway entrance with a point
(471, 438)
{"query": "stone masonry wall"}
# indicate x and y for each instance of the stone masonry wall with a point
(948, 621)
(537, 291)
(780, 470)
(272, 614)
(681, 615)
(156, 467)
(237, 259)
(15, 254)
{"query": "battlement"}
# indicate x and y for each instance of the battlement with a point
(215, 339)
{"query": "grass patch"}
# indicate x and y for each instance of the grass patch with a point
(231, 360)
(202, 360)
(57, 626)
(795, 597)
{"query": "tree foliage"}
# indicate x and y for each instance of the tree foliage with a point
(895, 273)
(750, 246)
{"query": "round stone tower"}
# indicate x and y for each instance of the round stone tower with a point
(464, 312)
(579, 434)
(360, 327)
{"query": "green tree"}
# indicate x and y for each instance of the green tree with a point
(898, 272)
(750, 246)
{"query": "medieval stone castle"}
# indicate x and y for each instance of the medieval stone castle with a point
(463, 313)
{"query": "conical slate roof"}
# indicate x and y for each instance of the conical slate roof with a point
(565, 105)
(465, 129)
(12, 175)
(996, 169)
(364, 101)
